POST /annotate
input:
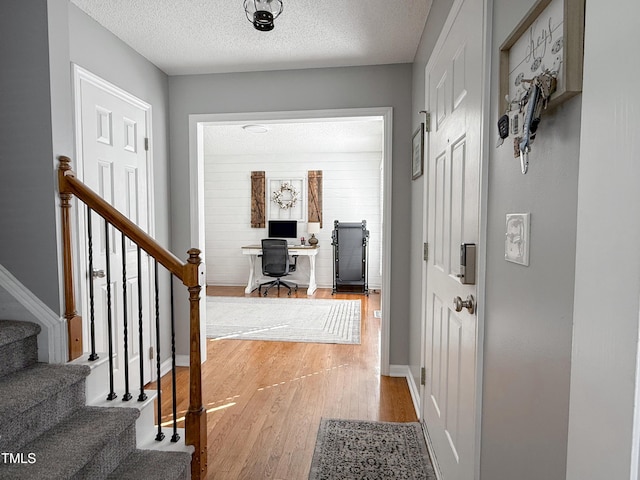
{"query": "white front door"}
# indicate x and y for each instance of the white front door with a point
(453, 96)
(114, 163)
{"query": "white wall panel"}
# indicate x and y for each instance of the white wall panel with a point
(351, 193)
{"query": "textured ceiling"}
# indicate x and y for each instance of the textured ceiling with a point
(214, 36)
(354, 135)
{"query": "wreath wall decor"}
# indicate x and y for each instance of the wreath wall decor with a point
(286, 196)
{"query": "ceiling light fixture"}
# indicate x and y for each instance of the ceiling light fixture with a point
(262, 13)
(256, 128)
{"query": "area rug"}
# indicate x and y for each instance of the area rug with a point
(284, 319)
(360, 450)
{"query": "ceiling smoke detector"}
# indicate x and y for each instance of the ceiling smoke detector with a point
(262, 13)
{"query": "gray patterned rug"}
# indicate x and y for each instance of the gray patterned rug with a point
(284, 319)
(360, 450)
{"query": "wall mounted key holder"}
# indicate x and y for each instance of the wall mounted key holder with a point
(540, 67)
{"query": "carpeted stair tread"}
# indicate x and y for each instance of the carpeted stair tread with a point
(12, 331)
(18, 345)
(154, 464)
(35, 398)
(30, 386)
(71, 448)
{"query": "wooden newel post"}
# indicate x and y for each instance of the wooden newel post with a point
(74, 321)
(196, 419)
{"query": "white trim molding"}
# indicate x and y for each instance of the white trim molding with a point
(22, 305)
(404, 371)
(197, 122)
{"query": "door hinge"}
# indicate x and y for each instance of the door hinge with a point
(427, 121)
(146, 144)
(425, 253)
(150, 353)
(423, 376)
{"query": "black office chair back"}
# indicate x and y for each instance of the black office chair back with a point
(275, 257)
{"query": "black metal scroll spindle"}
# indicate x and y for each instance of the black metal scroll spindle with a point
(92, 311)
(160, 435)
(125, 315)
(112, 394)
(143, 396)
(175, 437)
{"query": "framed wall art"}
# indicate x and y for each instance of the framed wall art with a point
(287, 199)
(549, 37)
(417, 159)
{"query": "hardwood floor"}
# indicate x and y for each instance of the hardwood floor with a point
(264, 400)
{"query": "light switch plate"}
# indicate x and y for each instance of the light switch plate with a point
(516, 244)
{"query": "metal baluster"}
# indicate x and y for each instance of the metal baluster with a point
(143, 396)
(160, 435)
(175, 437)
(92, 314)
(127, 394)
(112, 394)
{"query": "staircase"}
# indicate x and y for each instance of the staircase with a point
(48, 431)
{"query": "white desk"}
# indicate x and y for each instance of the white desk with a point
(301, 250)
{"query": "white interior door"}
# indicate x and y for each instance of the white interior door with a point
(453, 96)
(114, 162)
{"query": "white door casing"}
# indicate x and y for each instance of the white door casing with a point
(453, 93)
(113, 159)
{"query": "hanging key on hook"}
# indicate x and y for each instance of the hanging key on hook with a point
(542, 86)
(531, 121)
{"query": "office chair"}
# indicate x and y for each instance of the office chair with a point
(275, 263)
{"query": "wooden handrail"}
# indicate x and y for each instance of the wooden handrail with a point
(189, 273)
(69, 184)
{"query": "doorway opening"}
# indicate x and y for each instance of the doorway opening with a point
(211, 131)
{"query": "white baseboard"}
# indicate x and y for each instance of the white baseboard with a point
(182, 360)
(165, 367)
(19, 303)
(405, 371)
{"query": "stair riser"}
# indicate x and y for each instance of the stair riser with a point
(145, 424)
(18, 355)
(110, 456)
(146, 429)
(47, 418)
(41, 418)
(98, 383)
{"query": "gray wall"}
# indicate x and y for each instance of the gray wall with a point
(28, 210)
(604, 424)
(314, 89)
(102, 53)
(96, 49)
(528, 310)
(38, 40)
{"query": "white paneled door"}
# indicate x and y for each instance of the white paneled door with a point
(453, 95)
(113, 128)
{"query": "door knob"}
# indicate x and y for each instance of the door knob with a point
(469, 304)
(97, 274)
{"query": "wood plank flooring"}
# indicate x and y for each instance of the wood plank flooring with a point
(264, 400)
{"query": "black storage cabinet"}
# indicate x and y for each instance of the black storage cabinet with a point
(350, 243)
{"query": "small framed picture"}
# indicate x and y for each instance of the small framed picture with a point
(516, 245)
(417, 159)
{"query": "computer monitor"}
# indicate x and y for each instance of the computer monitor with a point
(283, 229)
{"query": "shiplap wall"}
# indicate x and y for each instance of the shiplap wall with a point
(351, 193)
